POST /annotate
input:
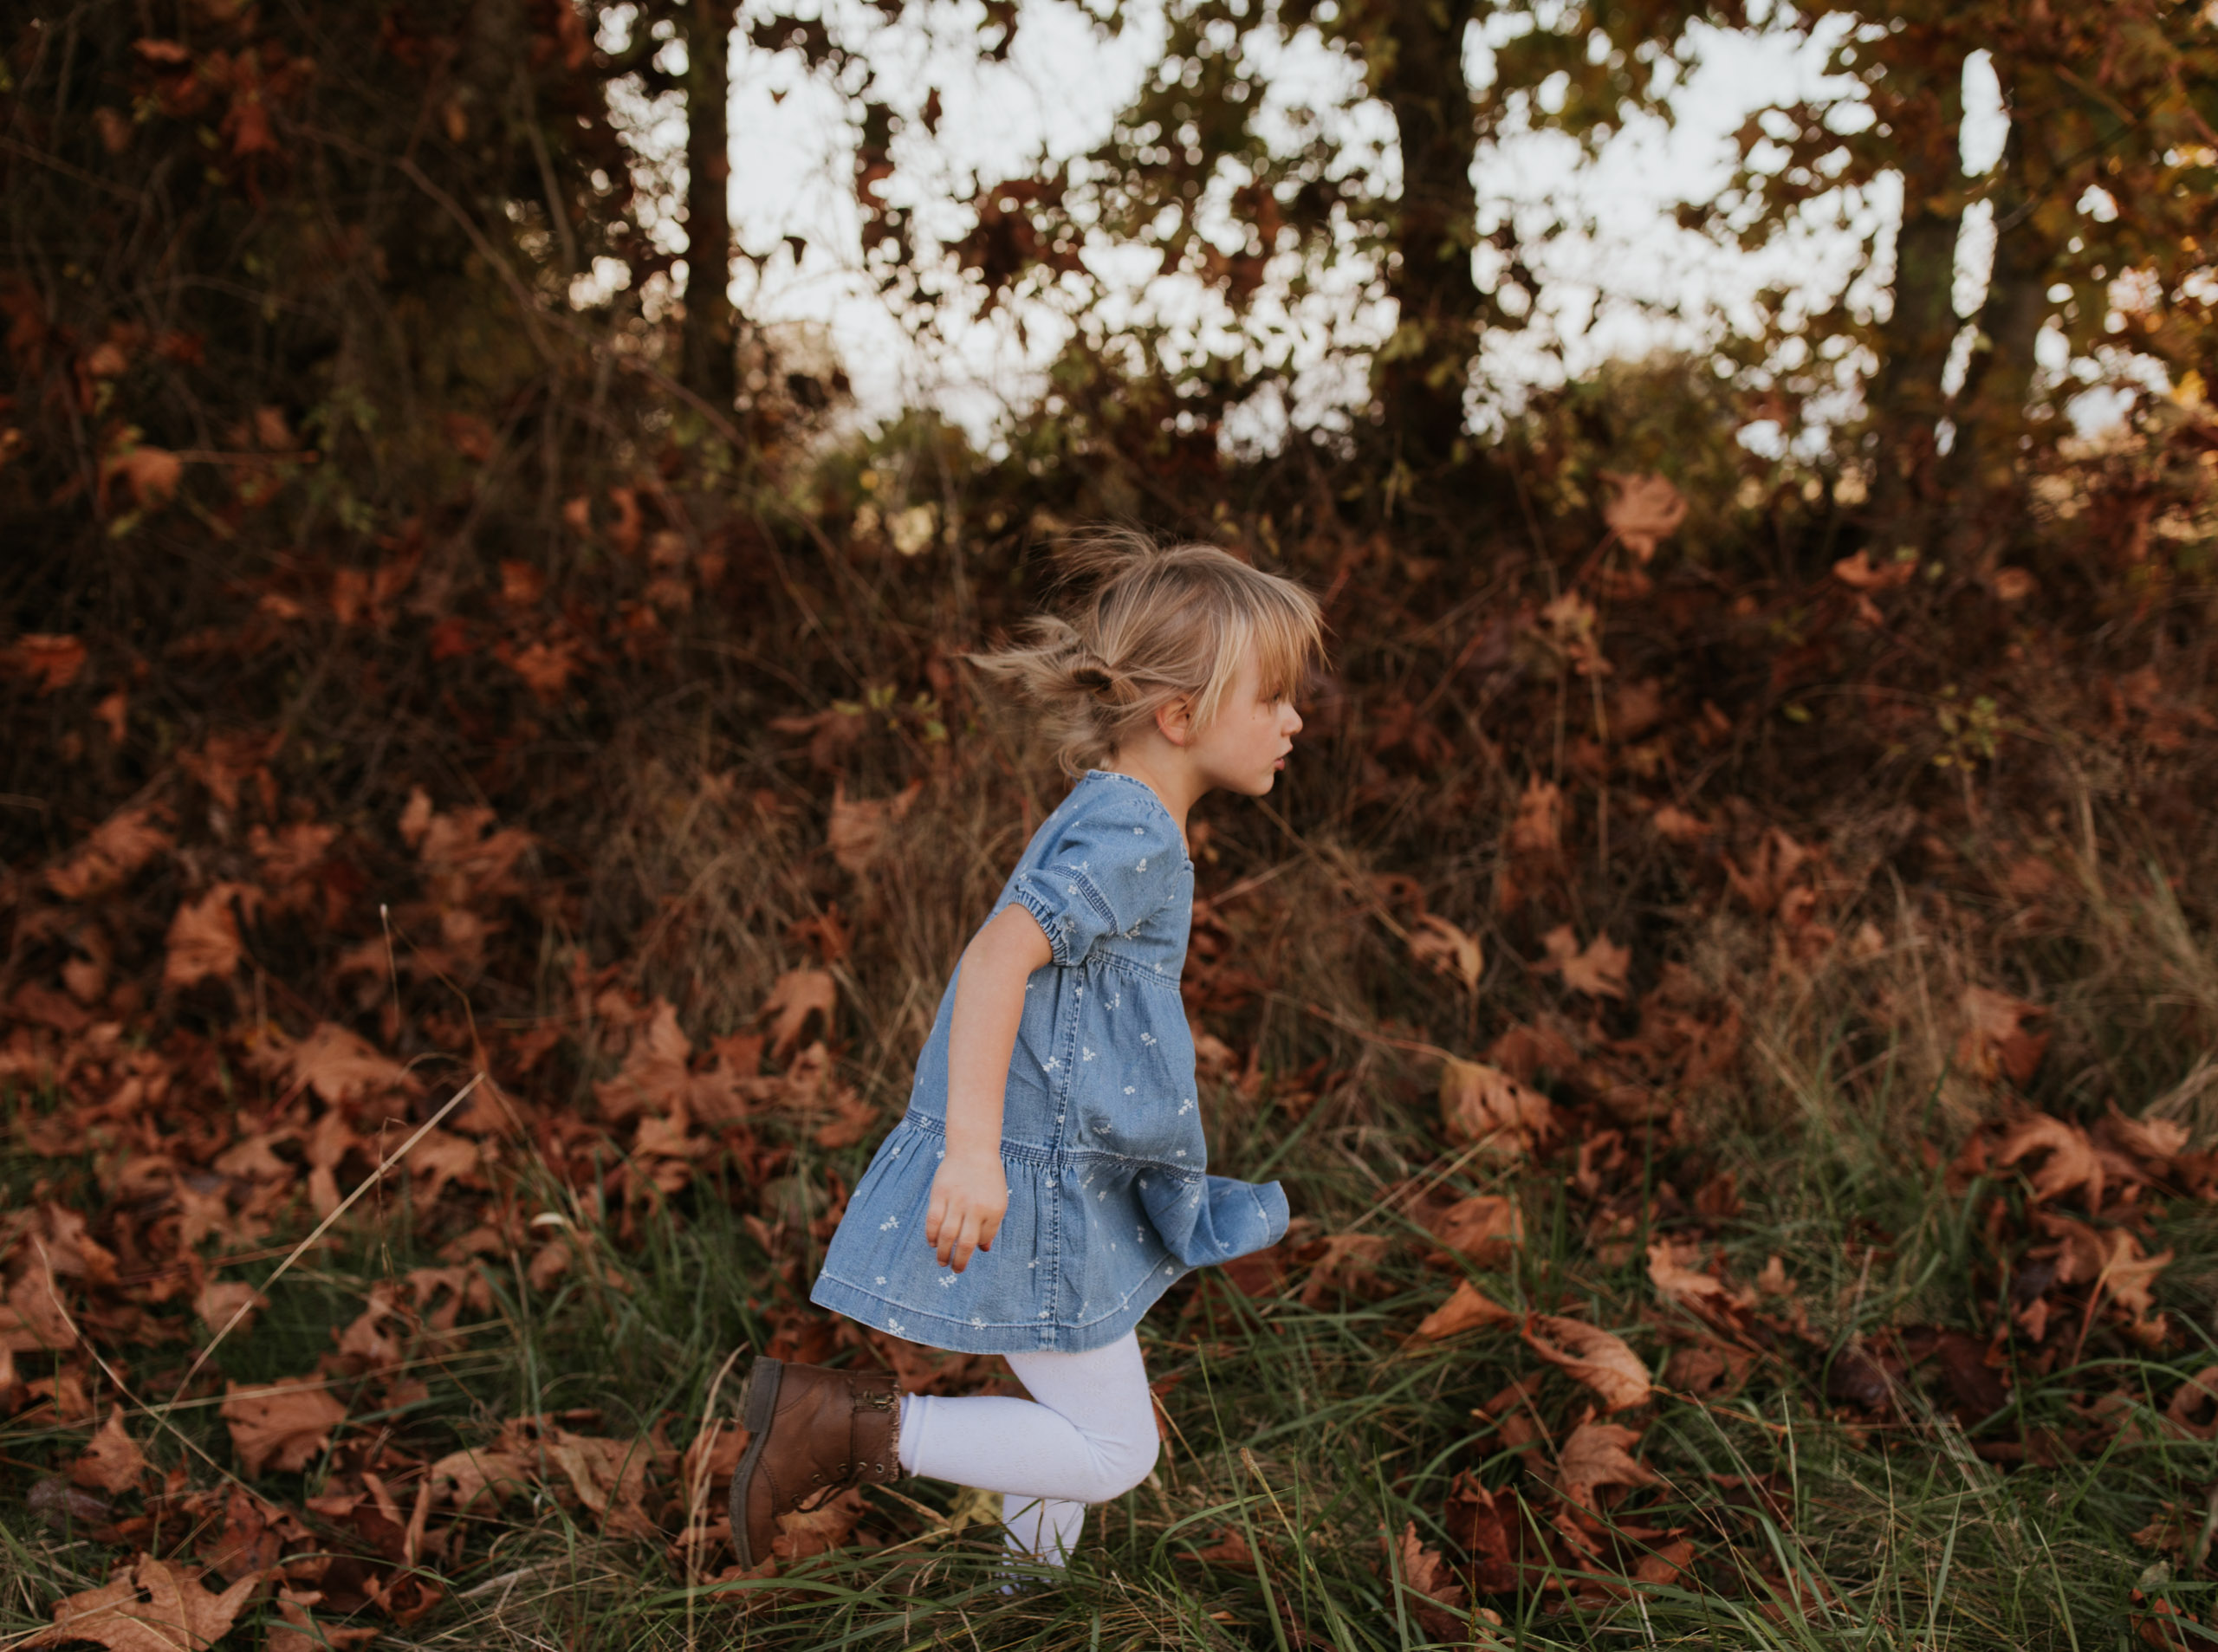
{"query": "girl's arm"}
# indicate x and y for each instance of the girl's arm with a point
(970, 1192)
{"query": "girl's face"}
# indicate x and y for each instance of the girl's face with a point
(1245, 746)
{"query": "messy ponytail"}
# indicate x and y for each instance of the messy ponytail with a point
(1154, 624)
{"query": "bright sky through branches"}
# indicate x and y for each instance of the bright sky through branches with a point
(1622, 279)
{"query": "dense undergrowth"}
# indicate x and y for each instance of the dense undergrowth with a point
(1780, 966)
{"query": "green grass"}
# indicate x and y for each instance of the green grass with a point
(1308, 1431)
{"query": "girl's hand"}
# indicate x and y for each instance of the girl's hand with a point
(969, 1198)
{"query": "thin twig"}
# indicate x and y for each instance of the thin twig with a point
(324, 1226)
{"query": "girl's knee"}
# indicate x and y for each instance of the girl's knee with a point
(1125, 1462)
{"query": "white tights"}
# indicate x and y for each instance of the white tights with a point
(1086, 1435)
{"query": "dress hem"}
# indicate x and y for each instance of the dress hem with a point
(961, 1336)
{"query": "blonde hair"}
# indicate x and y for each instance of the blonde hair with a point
(1157, 622)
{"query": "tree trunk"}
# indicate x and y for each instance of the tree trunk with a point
(1906, 401)
(1990, 410)
(1421, 372)
(707, 367)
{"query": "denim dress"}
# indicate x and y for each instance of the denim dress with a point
(1101, 1125)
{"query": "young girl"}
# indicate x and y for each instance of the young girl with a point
(1047, 1183)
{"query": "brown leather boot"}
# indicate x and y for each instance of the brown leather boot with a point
(812, 1433)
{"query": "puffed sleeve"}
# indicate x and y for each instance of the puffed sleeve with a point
(1115, 861)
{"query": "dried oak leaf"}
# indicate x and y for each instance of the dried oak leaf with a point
(1598, 1454)
(299, 1632)
(1429, 1576)
(1598, 970)
(1690, 1287)
(32, 1318)
(800, 1535)
(280, 1424)
(2193, 1408)
(654, 1077)
(464, 1477)
(1536, 829)
(715, 1452)
(203, 938)
(1231, 1549)
(341, 1065)
(1707, 1368)
(1479, 1102)
(2072, 1161)
(51, 662)
(1468, 1307)
(1662, 1565)
(1482, 1522)
(1995, 1042)
(159, 1607)
(795, 996)
(1350, 1262)
(2156, 1140)
(1445, 950)
(1484, 1226)
(858, 827)
(1597, 1358)
(117, 847)
(609, 1477)
(112, 1462)
(2127, 1276)
(1646, 510)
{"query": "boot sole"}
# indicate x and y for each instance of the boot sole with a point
(756, 1407)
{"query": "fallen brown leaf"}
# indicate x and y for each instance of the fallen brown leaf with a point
(151, 473)
(795, 996)
(219, 1300)
(51, 662)
(1598, 1454)
(464, 1477)
(283, 1424)
(1995, 1041)
(1662, 1565)
(800, 1535)
(1231, 1549)
(1689, 1287)
(2186, 1409)
(299, 1632)
(1465, 1309)
(1350, 1261)
(1597, 1358)
(204, 938)
(1480, 1103)
(1536, 829)
(1645, 511)
(159, 1607)
(1430, 1576)
(112, 1462)
(341, 1065)
(1485, 1227)
(1598, 970)
(117, 847)
(856, 832)
(2072, 1161)
(1445, 950)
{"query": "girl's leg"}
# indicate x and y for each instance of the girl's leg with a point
(1086, 1435)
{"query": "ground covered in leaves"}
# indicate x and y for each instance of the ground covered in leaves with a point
(1736, 1045)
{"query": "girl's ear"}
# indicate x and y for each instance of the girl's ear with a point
(1174, 720)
